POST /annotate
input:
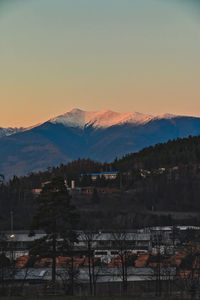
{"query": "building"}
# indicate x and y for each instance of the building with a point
(104, 244)
(106, 175)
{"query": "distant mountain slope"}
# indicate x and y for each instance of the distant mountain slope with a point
(57, 141)
(8, 131)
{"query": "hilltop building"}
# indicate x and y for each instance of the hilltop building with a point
(106, 175)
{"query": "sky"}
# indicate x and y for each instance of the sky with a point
(122, 55)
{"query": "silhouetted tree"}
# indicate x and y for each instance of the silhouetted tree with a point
(58, 218)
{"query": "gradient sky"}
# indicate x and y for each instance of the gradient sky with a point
(123, 55)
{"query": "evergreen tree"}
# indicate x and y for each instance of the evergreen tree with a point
(57, 217)
(1, 178)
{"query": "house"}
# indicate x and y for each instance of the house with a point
(36, 192)
(106, 175)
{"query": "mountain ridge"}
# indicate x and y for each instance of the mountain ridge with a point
(100, 119)
(53, 142)
(104, 118)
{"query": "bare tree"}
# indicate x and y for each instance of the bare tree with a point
(8, 267)
(189, 272)
(72, 270)
(157, 270)
(121, 244)
(4, 264)
(89, 237)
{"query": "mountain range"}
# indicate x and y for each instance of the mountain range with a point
(99, 135)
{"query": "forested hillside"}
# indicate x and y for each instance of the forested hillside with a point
(163, 179)
(175, 152)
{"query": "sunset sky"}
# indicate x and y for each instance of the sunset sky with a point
(123, 55)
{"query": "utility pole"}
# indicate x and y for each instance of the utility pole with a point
(11, 223)
(120, 178)
(158, 271)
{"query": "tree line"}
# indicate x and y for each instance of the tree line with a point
(175, 189)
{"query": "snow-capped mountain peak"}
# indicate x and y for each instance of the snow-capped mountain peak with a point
(100, 119)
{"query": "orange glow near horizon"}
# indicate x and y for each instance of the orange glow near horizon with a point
(122, 55)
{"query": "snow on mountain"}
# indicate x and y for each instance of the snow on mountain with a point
(50, 144)
(99, 119)
(12, 130)
(104, 118)
(9, 131)
(166, 116)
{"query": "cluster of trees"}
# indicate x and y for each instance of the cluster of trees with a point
(181, 151)
(16, 195)
(57, 217)
(173, 190)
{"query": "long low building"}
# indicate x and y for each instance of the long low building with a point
(106, 175)
(104, 244)
(19, 243)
